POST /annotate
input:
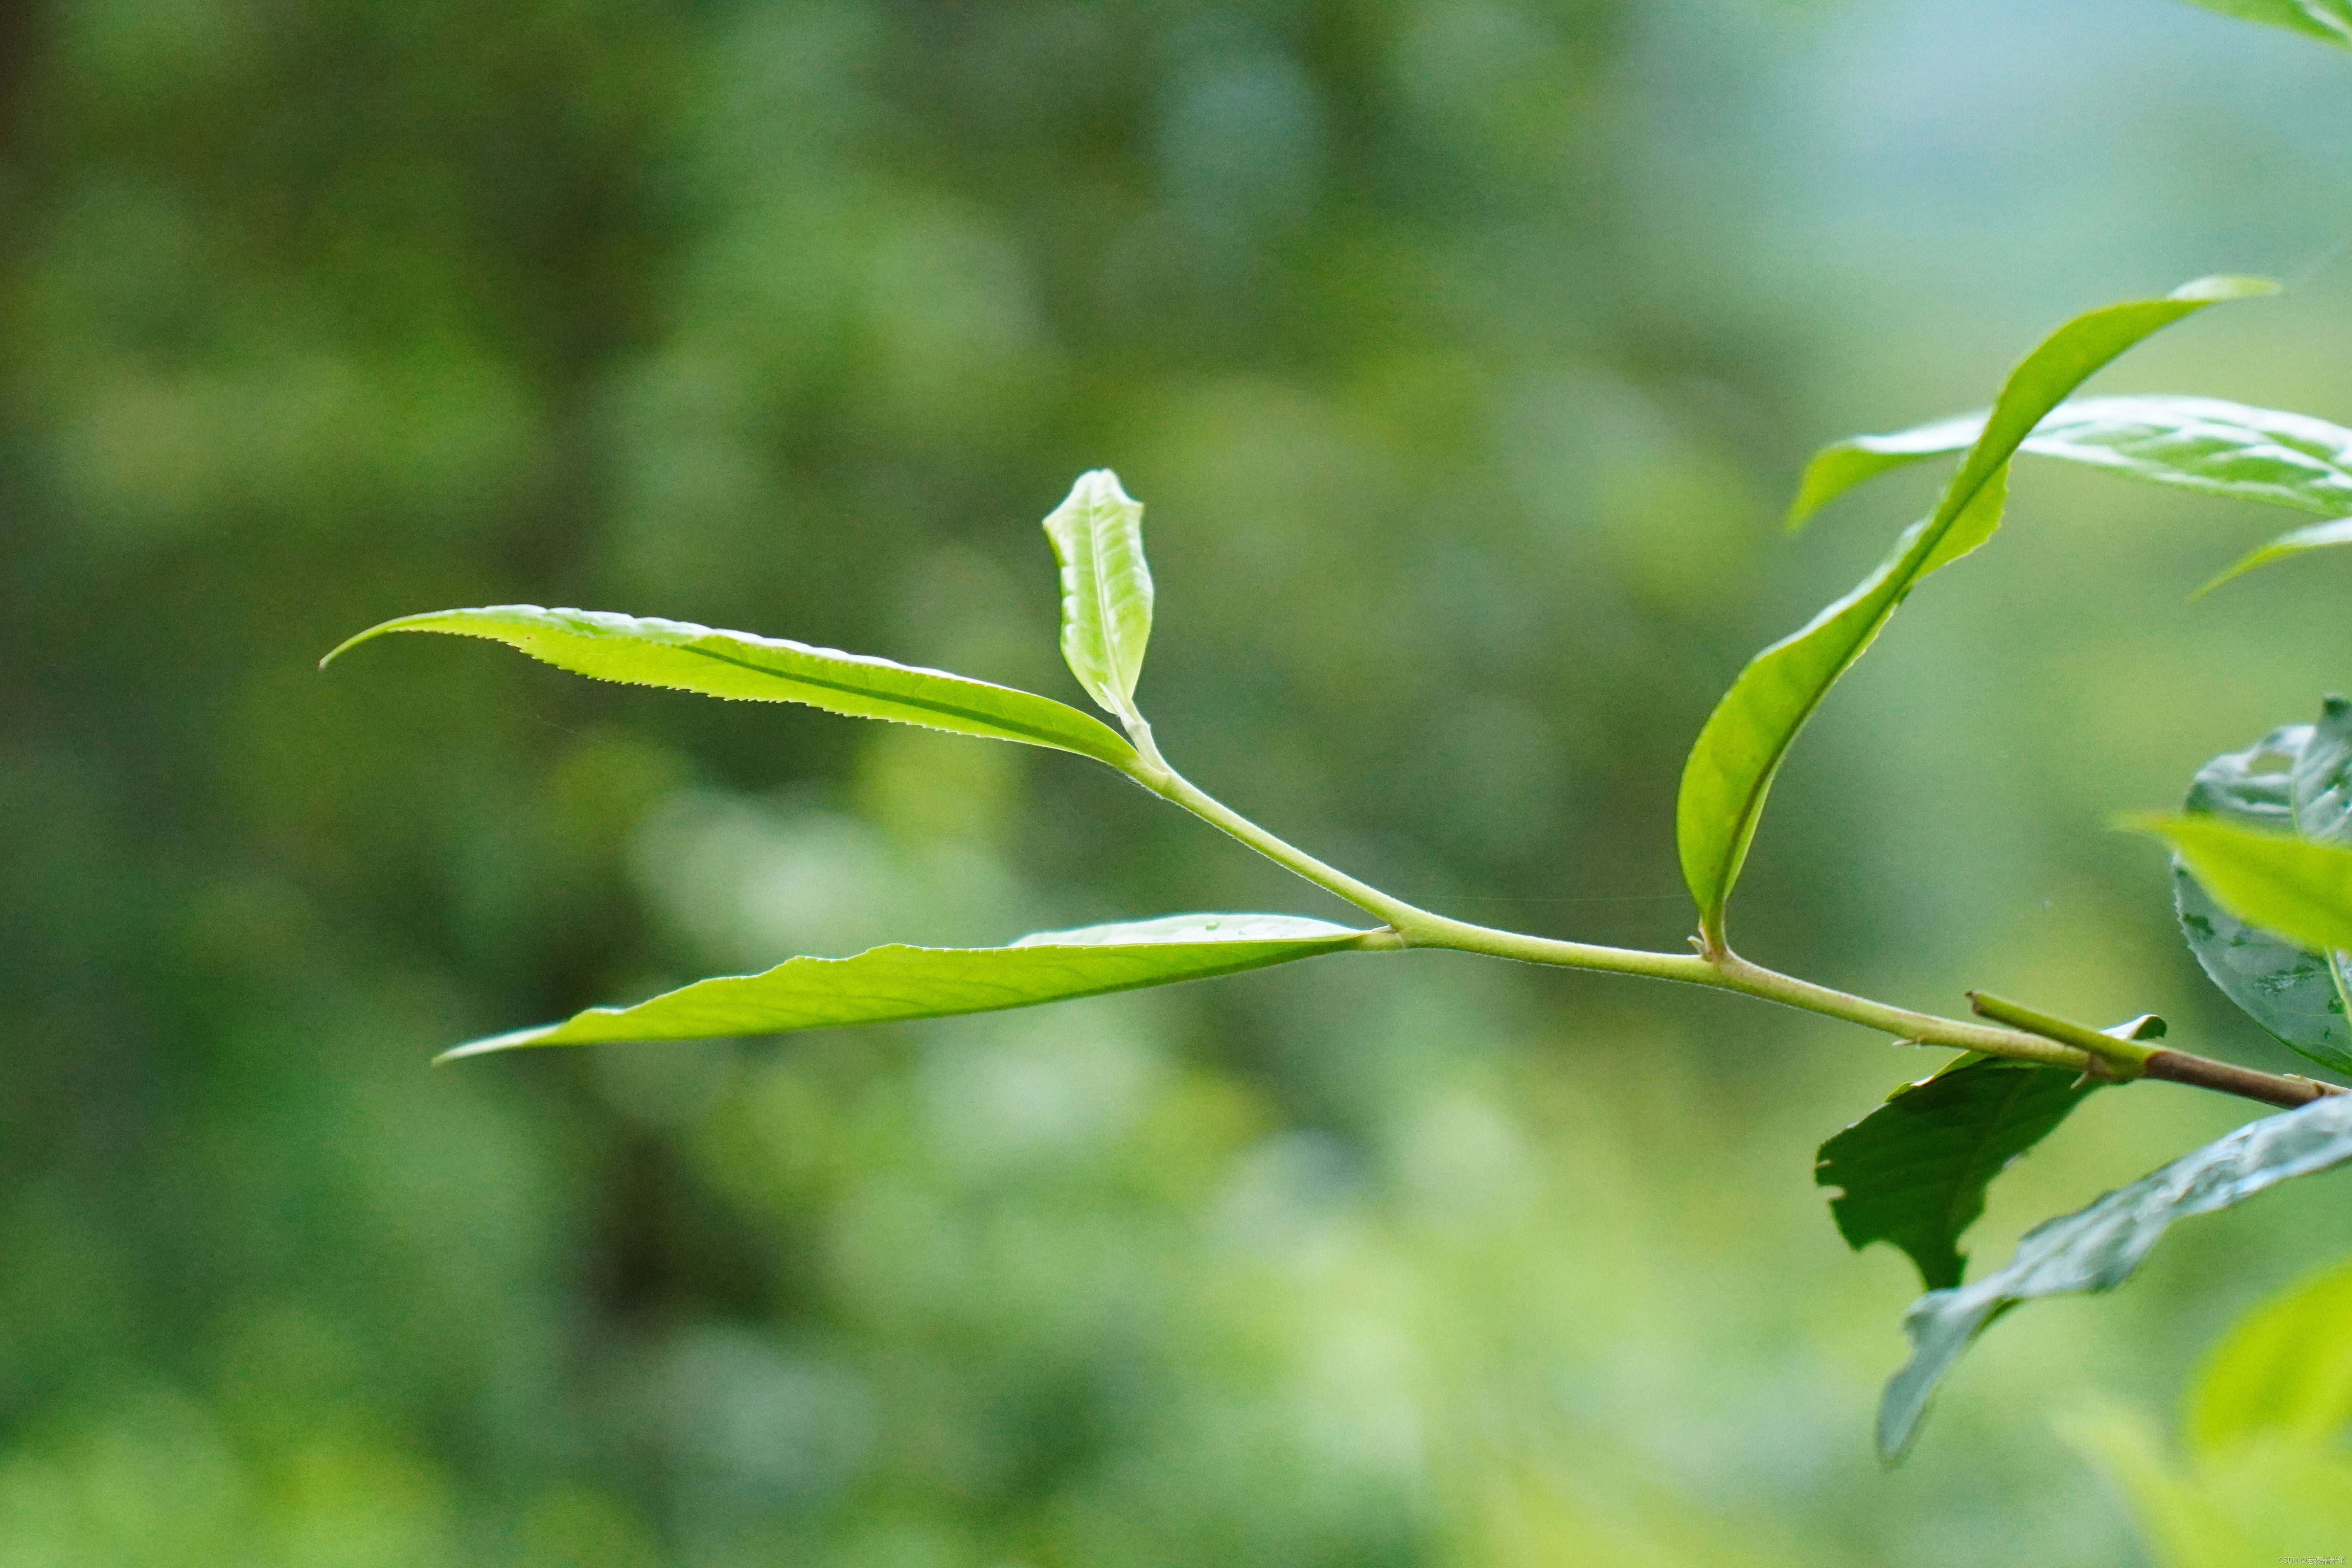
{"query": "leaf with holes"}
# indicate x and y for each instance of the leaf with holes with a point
(896, 982)
(683, 657)
(2098, 1248)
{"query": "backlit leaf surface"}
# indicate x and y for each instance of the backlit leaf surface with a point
(1097, 535)
(899, 982)
(2202, 444)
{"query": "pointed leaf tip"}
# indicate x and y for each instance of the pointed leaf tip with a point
(2223, 286)
(1106, 593)
(683, 657)
(896, 982)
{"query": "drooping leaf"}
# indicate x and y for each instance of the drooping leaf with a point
(2298, 889)
(2097, 1248)
(1731, 766)
(898, 982)
(2296, 993)
(2327, 20)
(644, 651)
(2202, 444)
(1098, 536)
(2285, 1367)
(1915, 1170)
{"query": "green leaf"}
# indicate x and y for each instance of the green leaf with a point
(2097, 1248)
(2301, 891)
(2202, 444)
(2285, 1367)
(2297, 993)
(643, 651)
(1731, 767)
(1098, 536)
(2294, 542)
(1915, 1170)
(898, 982)
(2328, 20)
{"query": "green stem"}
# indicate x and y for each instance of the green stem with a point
(1725, 971)
(2120, 1060)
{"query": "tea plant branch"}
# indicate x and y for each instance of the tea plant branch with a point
(2033, 1038)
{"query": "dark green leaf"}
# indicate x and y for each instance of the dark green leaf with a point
(2097, 1248)
(2296, 994)
(2202, 444)
(896, 982)
(1915, 1170)
(2330, 20)
(643, 651)
(1098, 536)
(1731, 766)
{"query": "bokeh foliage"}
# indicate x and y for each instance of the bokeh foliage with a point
(1465, 353)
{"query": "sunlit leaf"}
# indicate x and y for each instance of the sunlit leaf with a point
(2202, 444)
(2299, 889)
(1915, 1170)
(2097, 1248)
(1098, 536)
(898, 982)
(2330, 20)
(643, 651)
(1731, 767)
(2296, 993)
(2285, 1367)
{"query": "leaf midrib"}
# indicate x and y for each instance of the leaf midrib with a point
(926, 704)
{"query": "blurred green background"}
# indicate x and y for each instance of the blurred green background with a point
(1464, 352)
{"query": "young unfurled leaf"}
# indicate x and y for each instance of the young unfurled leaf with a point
(898, 982)
(1731, 767)
(2301, 891)
(2296, 993)
(2201, 443)
(2327, 20)
(643, 651)
(2097, 1248)
(1915, 1170)
(1098, 536)
(2286, 1368)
